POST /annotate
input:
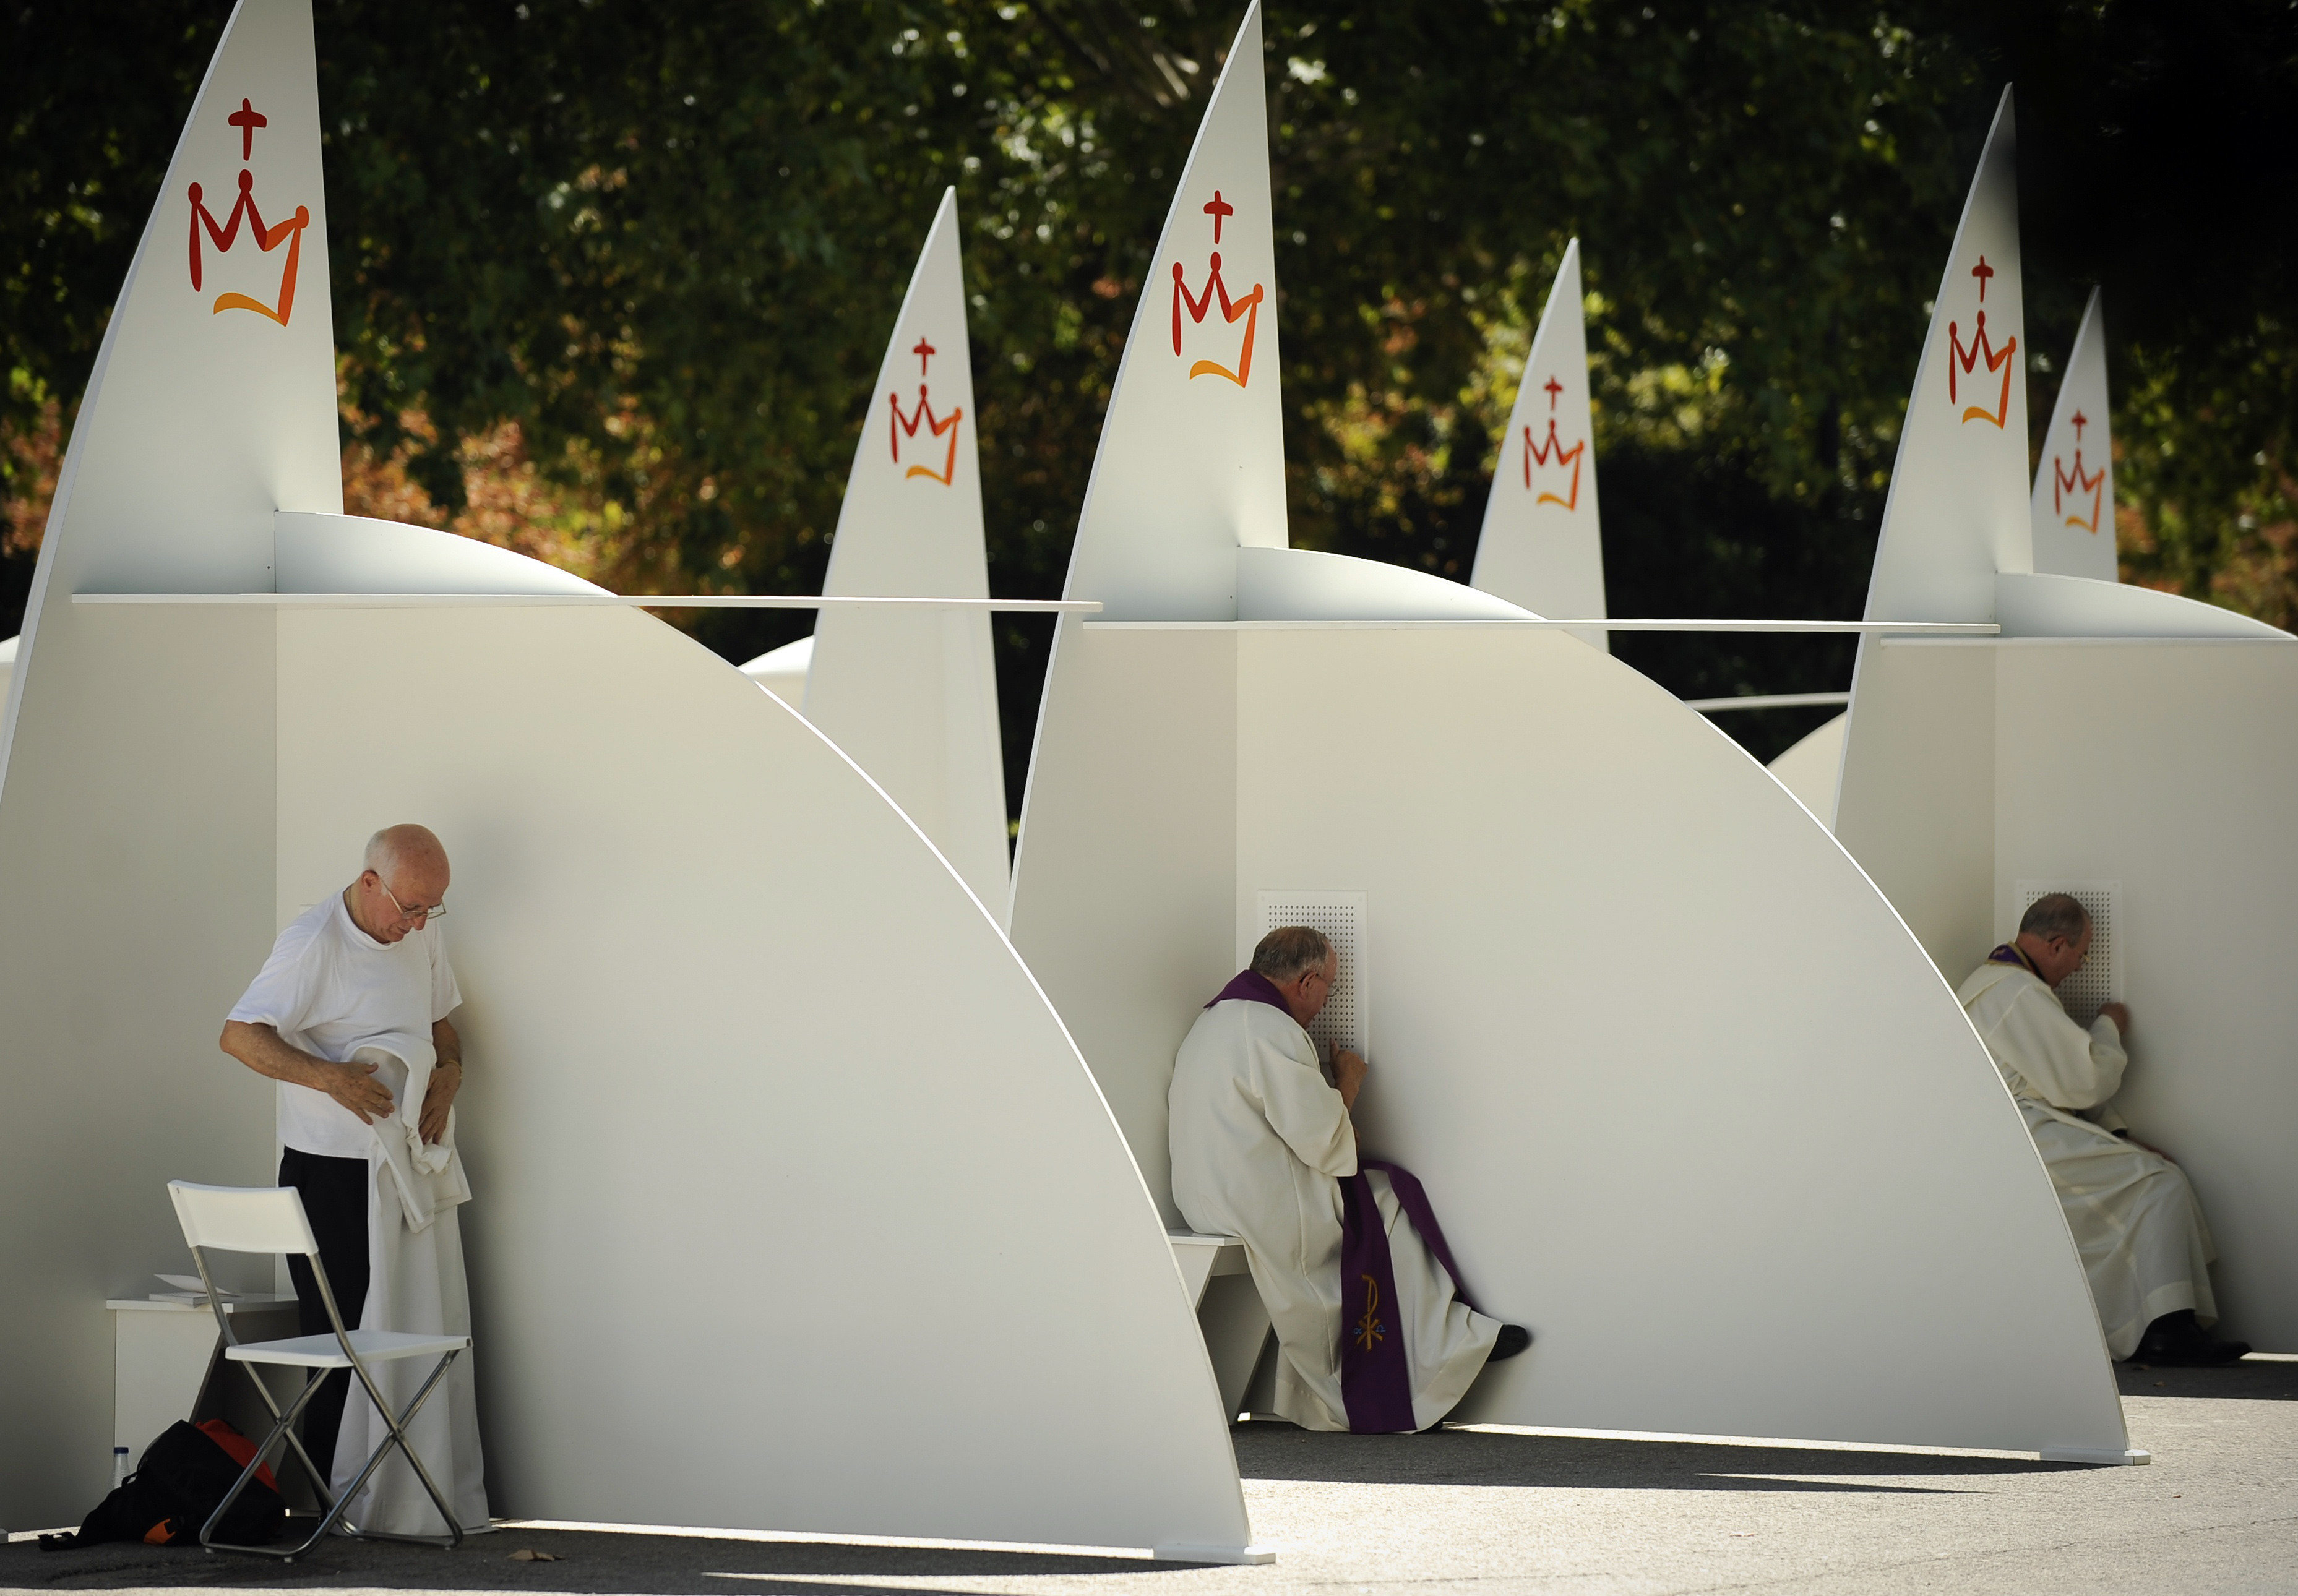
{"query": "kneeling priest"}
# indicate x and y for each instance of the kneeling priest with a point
(1373, 1331)
(2134, 1217)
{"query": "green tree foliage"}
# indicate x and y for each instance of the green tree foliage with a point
(667, 239)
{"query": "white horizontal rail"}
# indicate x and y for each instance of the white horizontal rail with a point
(1534, 623)
(1895, 628)
(596, 601)
(1771, 701)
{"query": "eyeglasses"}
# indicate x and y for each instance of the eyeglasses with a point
(420, 916)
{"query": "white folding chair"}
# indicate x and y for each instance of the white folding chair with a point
(234, 1218)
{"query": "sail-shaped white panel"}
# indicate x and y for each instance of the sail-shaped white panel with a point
(1543, 546)
(912, 697)
(1191, 464)
(1957, 509)
(1623, 1154)
(687, 1077)
(2073, 512)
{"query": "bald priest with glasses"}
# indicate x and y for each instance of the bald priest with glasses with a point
(361, 969)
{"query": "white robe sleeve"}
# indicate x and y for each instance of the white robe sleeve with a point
(2068, 1068)
(1301, 1107)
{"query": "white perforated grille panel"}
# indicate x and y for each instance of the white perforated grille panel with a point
(1340, 916)
(2100, 979)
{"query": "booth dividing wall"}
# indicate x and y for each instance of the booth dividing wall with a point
(139, 905)
(2167, 765)
(1132, 830)
(1917, 808)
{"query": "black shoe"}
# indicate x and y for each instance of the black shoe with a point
(1515, 1338)
(2175, 1341)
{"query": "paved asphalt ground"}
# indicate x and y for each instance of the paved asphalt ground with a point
(1462, 1511)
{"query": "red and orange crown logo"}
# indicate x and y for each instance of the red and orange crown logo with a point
(1550, 451)
(906, 426)
(2068, 486)
(247, 120)
(1196, 304)
(1981, 346)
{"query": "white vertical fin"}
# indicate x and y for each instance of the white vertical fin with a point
(1191, 465)
(1542, 547)
(211, 404)
(2074, 481)
(1958, 511)
(213, 400)
(914, 696)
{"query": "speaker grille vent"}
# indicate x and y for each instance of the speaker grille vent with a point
(1340, 916)
(2100, 979)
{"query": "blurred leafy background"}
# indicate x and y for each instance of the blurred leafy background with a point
(611, 278)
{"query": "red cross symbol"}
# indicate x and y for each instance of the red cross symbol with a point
(1218, 209)
(247, 120)
(1552, 387)
(1982, 271)
(925, 352)
(2080, 421)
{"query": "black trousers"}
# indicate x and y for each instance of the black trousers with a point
(334, 1200)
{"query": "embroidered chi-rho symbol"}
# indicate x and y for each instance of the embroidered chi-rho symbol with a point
(1997, 359)
(1369, 1328)
(1550, 453)
(2068, 486)
(248, 119)
(906, 426)
(1196, 304)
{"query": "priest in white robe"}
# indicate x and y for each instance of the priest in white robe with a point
(1373, 1330)
(2133, 1216)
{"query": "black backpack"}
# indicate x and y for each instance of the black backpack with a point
(175, 1489)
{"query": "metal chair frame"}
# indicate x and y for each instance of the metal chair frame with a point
(284, 1421)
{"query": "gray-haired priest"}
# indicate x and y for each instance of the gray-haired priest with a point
(349, 1016)
(2134, 1217)
(1374, 1332)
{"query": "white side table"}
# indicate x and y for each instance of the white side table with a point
(167, 1364)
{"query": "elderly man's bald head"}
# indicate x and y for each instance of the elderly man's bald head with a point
(407, 851)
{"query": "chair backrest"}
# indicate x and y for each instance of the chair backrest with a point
(244, 1219)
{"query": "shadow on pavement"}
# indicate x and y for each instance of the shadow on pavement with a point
(2253, 1379)
(1269, 1451)
(585, 1560)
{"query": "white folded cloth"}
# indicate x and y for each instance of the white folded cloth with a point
(427, 1174)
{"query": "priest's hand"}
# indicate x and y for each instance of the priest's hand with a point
(1348, 1076)
(438, 1097)
(355, 1087)
(2120, 1013)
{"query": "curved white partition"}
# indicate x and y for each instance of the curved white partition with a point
(783, 671)
(1689, 1100)
(798, 1209)
(825, 1261)
(1809, 767)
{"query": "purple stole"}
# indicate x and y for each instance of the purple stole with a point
(2009, 953)
(1375, 1377)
